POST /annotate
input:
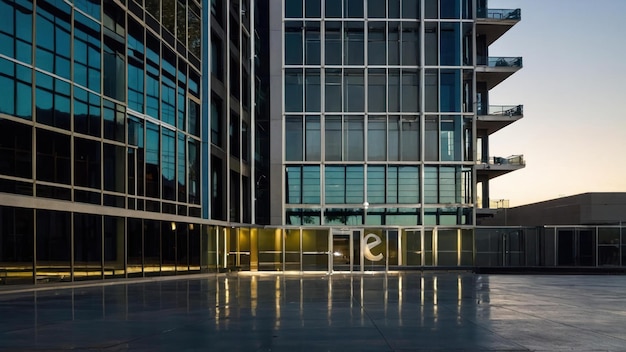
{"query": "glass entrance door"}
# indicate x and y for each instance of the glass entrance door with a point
(346, 251)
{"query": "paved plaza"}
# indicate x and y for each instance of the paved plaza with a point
(409, 311)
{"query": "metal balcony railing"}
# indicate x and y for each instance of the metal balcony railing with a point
(502, 110)
(499, 14)
(516, 160)
(504, 62)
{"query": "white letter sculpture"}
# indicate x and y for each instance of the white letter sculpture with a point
(367, 247)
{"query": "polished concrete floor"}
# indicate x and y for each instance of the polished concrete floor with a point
(274, 312)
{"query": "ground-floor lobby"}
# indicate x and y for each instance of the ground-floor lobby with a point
(43, 246)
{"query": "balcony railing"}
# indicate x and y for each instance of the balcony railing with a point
(516, 160)
(502, 110)
(500, 14)
(504, 62)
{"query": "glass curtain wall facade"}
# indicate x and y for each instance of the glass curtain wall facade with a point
(100, 138)
(229, 86)
(160, 137)
(377, 113)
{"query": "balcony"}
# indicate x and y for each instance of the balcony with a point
(497, 166)
(493, 23)
(499, 14)
(494, 70)
(495, 117)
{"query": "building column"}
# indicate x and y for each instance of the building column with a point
(485, 193)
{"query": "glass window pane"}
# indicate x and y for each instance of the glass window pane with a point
(376, 8)
(114, 168)
(152, 160)
(393, 90)
(410, 9)
(293, 8)
(53, 157)
(392, 184)
(114, 68)
(87, 246)
(16, 239)
(431, 188)
(332, 137)
(354, 91)
(234, 132)
(431, 141)
(448, 185)
(410, 43)
(408, 184)
(86, 52)
(431, 93)
(450, 9)
(376, 184)
(354, 185)
(333, 41)
(450, 90)
(293, 138)
(394, 43)
(353, 138)
(181, 160)
(393, 141)
(377, 44)
(353, 8)
(450, 52)
(168, 87)
(354, 41)
(410, 138)
(293, 179)
(377, 91)
(333, 90)
(312, 8)
(193, 171)
(312, 90)
(410, 91)
(114, 120)
(16, 149)
(194, 118)
(313, 150)
(293, 43)
(394, 8)
(293, 90)
(194, 33)
(87, 163)
(312, 50)
(333, 8)
(335, 184)
(53, 240)
(376, 138)
(431, 8)
(431, 44)
(451, 138)
(52, 101)
(168, 164)
(311, 190)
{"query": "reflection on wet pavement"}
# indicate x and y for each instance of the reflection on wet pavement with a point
(370, 312)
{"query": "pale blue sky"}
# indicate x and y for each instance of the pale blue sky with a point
(573, 87)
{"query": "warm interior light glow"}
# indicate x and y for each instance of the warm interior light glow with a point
(173, 226)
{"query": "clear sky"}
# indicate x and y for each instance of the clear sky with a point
(573, 87)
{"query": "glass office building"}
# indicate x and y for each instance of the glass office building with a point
(100, 138)
(149, 137)
(382, 110)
